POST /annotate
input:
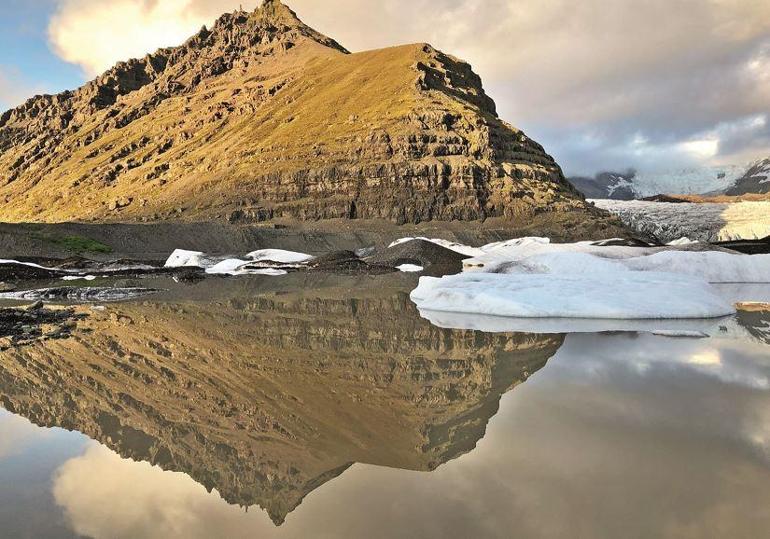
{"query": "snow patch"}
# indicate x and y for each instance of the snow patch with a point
(409, 268)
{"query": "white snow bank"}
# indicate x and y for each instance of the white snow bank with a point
(79, 278)
(626, 295)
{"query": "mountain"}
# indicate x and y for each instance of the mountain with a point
(606, 185)
(756, 180)
(263, 118)
(634, 184)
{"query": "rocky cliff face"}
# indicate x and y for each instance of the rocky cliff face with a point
(266, 396)
(262, 118)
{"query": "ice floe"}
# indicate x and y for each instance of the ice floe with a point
(279, 256)
(410, 268)
(181, 258)
(539, 255)
(713, 266)
(263, 262)
(532, 278)
(624, 295)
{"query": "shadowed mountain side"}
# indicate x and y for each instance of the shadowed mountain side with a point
(260, 119)
(267, 397)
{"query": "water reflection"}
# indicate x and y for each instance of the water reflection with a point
(268, 396)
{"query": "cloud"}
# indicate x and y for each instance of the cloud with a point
(17, 433)
(669, 438)
(106, 496)
(96, 34)
(567, 72)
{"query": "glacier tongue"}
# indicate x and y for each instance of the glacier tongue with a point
(707, 222)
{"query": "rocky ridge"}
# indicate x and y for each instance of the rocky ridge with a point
(261, 118)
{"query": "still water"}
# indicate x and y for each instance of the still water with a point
(311, 406)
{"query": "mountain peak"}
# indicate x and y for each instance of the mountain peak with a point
(272, 21)
(277, 9)
(262, 118)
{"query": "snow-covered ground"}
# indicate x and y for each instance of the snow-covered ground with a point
(703, 222)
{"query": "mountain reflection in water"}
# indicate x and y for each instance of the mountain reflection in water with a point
(266, 390)
(267, 397)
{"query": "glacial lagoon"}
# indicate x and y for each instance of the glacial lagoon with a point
(313, 405)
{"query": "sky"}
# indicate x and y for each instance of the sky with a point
(603, 84)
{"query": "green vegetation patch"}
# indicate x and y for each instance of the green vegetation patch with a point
(78, 244)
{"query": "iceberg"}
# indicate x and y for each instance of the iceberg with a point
(409, 268)
(255, 263)
(627, 295)
(181, 258)
(279, 256)
(712, 266)
(234, 267)
(498, 257)
(229, 266)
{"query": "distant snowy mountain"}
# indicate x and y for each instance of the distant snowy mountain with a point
(611, 185)
(755, 180)
(692, 181)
